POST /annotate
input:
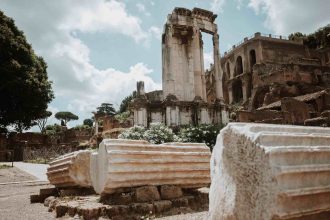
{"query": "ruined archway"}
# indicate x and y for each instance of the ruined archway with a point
(228, 70)
(237, 91)
(253, 59)
(238, 66)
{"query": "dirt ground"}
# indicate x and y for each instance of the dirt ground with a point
(16, 186)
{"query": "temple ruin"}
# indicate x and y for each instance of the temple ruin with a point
(183, 99)
(261, 79)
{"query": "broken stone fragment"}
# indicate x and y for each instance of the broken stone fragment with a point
(70, 170)
(170, 192)
(263, 172)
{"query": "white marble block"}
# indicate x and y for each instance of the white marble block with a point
(125, 163)
(70, 170)
(263, 172)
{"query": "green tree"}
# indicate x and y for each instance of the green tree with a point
(42, 121)
(125, 103)
(65, 117)
(25, 90)
(88, 122)
(106, 109)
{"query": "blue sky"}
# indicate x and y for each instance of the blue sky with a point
(97, 50)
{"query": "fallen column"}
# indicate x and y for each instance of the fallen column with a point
(70, 170)
(263, 172)
(125, 163)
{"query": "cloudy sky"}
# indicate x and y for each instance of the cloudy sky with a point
(97, 50)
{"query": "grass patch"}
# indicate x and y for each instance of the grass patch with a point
(4, 166)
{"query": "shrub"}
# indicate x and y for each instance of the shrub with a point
(133, 133)
(200, 134)
(159, 133)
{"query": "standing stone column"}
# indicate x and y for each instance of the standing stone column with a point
(217, 67)
(198, 63)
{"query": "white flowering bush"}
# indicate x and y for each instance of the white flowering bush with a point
(133, 133)
(200, 134)
(159, 133)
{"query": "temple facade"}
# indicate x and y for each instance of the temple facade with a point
(183, 99)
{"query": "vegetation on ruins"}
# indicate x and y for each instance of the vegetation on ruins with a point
(125, 103)
(106, 109)
(65, 117)
(25, 90)
(42, 121)
(206, 133)
(318, 39)
(122, 117)
(133, 133)
(88, 122)
(159, 133)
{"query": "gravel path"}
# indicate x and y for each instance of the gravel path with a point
(15, 198)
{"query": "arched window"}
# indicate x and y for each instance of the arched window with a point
(228, 71)
(253, 59)
(237, 91)
(238, 66)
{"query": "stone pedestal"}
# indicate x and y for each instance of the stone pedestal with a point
(264, 172)
(122, 164)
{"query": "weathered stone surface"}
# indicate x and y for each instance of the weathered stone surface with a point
(264, 172)
(90, 210)
(123, 163)
(142, 208)
(61, 209)
(70, 170)
(147, 194)
(180, 202)
(48, 200)
(162, 206)
(170, 192)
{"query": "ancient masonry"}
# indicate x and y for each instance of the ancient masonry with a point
(265, 172)
(121, 164)
(250, 83)
(183, 99)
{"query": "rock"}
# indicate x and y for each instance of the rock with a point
(142, 208)
(90, 211)
(147, 194)
(139, 163)
(180, 202)
(52, 205)
(72, 208)
(170, 192)
(35, 198)
(117, 210)
(263, 172)
(70, 170)
(48, 200)
(61, 209)
(118, 198)
(162, 206)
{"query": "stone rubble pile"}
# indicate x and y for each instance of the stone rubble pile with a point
(264, 172)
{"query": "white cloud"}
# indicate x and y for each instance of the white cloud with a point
(141, 8)
(285, 17)
(79, 86)
(217, 5)
(156, 32)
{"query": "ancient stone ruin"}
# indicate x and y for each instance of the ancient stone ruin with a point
(183, 99)
(261, 171)
(134, 177)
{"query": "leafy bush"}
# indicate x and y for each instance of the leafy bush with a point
(133, 133)
(81, 127)
(200, 134)
(122, 117)
(159, 133)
